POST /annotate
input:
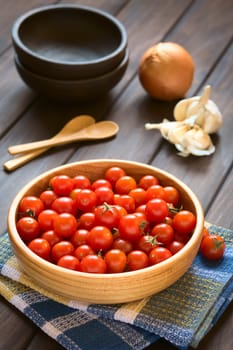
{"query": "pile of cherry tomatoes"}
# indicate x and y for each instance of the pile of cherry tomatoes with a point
(111, 225)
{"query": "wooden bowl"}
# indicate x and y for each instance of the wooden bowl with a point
(73, 90)
(106, 288)
(69, 41)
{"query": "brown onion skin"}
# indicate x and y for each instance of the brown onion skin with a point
(166, 71)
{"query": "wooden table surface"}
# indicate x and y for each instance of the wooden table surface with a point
(204, 27)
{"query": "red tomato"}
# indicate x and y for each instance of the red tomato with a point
(137, 260)
(159, 254)
(101, 183)
(125, 184)
(62, 248)
(155, 191)
(47, 197)
(81, 181)
(184, 222)
(139, 195)
(85, 200)
(64, 205)
(104, 195)
(83, 250)
(100, 238)
(172, 195)
(121, 210)
(148, 180)
(93, 264)
(41, 247)
(107, 215)
(125, 201)
(141, 209)
(122, 244)
(65, 225)
(28, 228)
(156, 210)
(213, 247)
(51, 237)
(62, 185)
(129, 227)
(164, 233)
(113, 174)
(69, 262)
(79, 237)
(86, 221)
(46, 219)
(175, 246)
(146, 243)
(30, 206)
(115, 260)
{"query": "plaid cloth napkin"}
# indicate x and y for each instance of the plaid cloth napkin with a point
(182, 314)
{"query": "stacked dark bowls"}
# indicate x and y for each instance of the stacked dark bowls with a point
(70, 52)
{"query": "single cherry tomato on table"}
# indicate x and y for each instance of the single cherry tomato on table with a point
(213, 247)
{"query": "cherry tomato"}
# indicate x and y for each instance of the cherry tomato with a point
(175, 247)
(164, 233)
(125, 201)
(30, 206)
(51, 237)
(112, 174)
(79, 237)
(146, 243)
(155, 191)
(107, 215)
(104, 195)
(139, 195)
(100, 238)
(129, 227)
(28, 228)
(136, 260)
(148, 180)
(83, 250)
(64, 205)
(121, 210)
(122, 244)
(85, 200)
(172, 195)
(86, 221)
(93, 264)
(125, 184)
(141, 209)
(62, 185)
(69, 262)
(213, 247)
(101, 183)
(41, 247)
(47, 197)
(115, 260)
(81, 181)
(159, 254)
(46, 219)
(62, 248)
(65, 225)
(184, 222)
(156, 210)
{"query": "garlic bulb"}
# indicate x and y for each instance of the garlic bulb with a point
(187, 137)
(202, 109)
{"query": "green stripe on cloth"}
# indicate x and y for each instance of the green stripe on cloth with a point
(182, 314)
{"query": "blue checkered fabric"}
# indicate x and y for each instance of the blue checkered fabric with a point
(182, 314)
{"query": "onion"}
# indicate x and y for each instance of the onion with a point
(166, 71)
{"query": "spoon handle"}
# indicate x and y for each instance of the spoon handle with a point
(15, 163)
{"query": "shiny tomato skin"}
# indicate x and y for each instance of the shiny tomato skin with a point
(172, 195)
(93, 264)
(28, 228)
(46, 219)
(86, 221)
(112, 174)
(137, 260)
(163, 232)
(159, 254)
(100, 238)
(47, 197)
(148, 180)
(51, 237)
(213, 247)
(64, 205)
(62, 185)
(139, 195)
(61, 248)
(146, 243)
(65, 225)
(104, 194)
(156, 210)
(30, 206)
(101, 183)
(83, 250)
(85, 200)
(125, 184)
(129, 227)
(125, 201)
(69, 262)
(81, 181)
(155, 191)
(115, 260)
(122, 244)
(41, 247)
(79, 237)
(107, 215)
(184, 222)
(175, 246)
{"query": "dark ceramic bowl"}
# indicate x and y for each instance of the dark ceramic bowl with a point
(69, 41)
(72, 90)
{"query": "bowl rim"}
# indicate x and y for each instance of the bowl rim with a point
(45, 79)
(20, 20)
(164, 265)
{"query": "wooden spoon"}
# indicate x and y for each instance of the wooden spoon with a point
(97, 131)
(78, 122)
